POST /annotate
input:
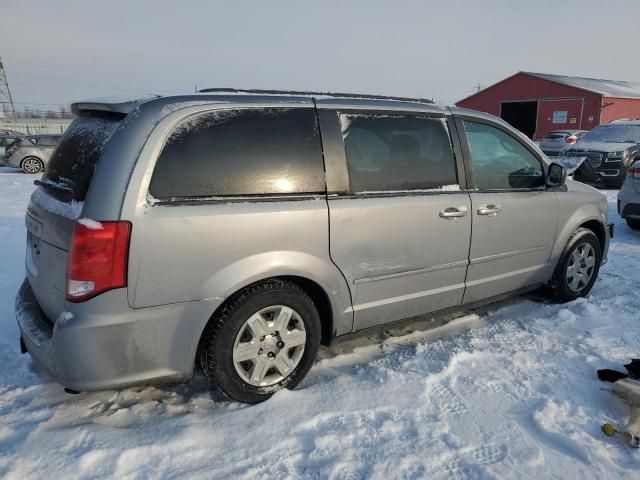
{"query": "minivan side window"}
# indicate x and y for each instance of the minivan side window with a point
(500, 162)
(396, 153)
(256, 151)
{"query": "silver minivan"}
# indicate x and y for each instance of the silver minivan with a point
(241, 231)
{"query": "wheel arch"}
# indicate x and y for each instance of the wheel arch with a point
(315, 291)
(598, 228)
(587, 216)
(321, 301)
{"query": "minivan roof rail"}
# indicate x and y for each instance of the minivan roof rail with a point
(318, 94)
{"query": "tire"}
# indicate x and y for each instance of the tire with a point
(247, 366)
(633, 223)
(32, 165)
(613, 183)
(575, 274)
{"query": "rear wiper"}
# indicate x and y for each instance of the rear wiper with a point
(53, 186)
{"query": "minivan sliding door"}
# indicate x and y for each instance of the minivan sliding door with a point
(400, 228)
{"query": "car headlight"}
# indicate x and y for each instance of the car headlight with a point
(615, 156)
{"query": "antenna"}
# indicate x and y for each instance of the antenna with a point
(7, 108)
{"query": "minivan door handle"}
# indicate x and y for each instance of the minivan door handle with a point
(489, 210)
(453, 212)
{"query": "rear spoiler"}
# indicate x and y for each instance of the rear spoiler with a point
(122, 106)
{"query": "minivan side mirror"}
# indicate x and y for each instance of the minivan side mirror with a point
(557, 175)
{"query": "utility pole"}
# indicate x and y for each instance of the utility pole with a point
(478, 87)
(6, 102)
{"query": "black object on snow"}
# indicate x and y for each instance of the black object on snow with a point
(633, 368)
(633, 371)
(607, 375)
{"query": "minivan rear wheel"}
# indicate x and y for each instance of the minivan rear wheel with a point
(578, 268)
(265, 338)
(32, 165)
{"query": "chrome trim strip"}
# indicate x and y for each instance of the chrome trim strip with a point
(499, 256)
(404, 298)
(483, 280)
(407, 273)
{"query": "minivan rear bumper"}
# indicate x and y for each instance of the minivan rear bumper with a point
(99, 347)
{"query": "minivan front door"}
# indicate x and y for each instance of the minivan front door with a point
(514, 217)
(400, 233)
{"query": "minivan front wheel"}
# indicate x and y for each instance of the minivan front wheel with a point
(265, 338)
(32, 165)
(578, 268)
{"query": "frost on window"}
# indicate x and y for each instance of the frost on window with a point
(397, 153)
(251, 151)
(74, 161)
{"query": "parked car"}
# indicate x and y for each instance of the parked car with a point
(629, 197)
(5, 142)
(242, 231)
(554, 142)
(11, 133)
(32, 153)
(611, 149)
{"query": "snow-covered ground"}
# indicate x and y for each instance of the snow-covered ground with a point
(508, 393)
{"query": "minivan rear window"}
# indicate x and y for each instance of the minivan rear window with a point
(73, 162)
(254, 151)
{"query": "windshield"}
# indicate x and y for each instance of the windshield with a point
(614, 133)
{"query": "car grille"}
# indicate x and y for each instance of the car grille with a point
(595, 158)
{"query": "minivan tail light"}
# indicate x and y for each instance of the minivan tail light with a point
(98, 259)
(634, 171)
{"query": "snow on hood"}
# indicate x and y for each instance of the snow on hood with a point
(600, 146)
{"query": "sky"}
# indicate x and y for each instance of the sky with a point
(58, 52)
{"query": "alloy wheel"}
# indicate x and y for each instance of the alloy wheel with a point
(581, 267)
(269, 346)
(31, 165)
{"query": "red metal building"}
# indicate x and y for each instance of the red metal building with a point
(537, 103)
